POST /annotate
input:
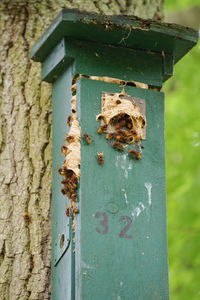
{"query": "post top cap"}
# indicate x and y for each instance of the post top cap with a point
(121, 30)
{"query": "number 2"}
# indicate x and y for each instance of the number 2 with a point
(126, 228)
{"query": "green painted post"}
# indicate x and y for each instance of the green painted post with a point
(120, 249)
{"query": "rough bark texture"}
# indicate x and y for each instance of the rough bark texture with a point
(25, 141)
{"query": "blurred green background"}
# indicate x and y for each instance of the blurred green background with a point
(183, 160)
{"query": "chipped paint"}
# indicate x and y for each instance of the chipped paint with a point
(86, 266)
(126, 198)
(138, 210)
(124, 164)
(141, 207)
(148, 186)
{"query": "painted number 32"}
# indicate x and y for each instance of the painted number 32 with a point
(104, 223)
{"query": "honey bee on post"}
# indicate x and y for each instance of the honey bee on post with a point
(118, 146)
(102, 129)
(110, 136)
(64, 150)
(87, 138)
(75, 211)
(134, 154)
(68, 211)
(100, 157)
(120, 125)
(69, 121)
(27, 218)
(61, 171)
(69, 138)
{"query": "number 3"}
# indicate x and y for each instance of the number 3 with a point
(104, 222)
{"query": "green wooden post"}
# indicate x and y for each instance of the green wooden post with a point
(121, 232)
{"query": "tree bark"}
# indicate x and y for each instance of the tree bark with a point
(25, 140)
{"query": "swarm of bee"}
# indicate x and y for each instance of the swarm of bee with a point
(122, 128)
(71, 166)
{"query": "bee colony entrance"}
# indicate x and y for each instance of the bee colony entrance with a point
(123, 121)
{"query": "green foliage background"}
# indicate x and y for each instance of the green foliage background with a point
(183, 171)
(180, 4)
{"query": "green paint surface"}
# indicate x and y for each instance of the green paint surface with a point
(130, 31)
(61, 278)
(110, 264)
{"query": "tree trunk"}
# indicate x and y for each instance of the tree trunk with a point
(25, 139)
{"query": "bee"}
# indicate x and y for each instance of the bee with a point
(68, 211)
(75, 211)
(143, 123)
(121, 138)
(87, 138)
(100, 157)
(60, 171)
(63, 191)
(64, 181)
(129, 123)
(73, 199)
(121, 124)
(110, 136)
(69, 138)
(118, 146)
(74, 88)
(69, 119)
(27, 218)
(73, 111)
(135, 154)
(102, 129)
(64, 150)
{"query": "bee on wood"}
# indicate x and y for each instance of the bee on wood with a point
(63, 191)
(143, 123)
(64, 181)
(110, 136)
(69, 119)
(27, 218)
(135, 154)
(100, 157)
(87, 138)
(121, 124)
(64, 150)
(69, 138)
(129, 123)
(61, 172)
(121, 138)
(68, 211)
(73, 111)
(75, 211)
(73, 198)
(118, 146)
(102, 129)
